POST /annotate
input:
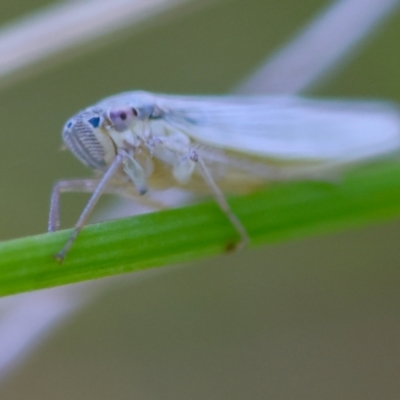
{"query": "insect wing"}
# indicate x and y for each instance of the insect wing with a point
(288, 128)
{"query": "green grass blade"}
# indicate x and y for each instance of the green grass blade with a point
(279, 212)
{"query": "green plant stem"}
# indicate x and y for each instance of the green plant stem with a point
(279, 212)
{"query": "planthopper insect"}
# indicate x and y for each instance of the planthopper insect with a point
(219, 144)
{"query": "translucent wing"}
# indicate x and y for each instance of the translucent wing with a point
(287, 128)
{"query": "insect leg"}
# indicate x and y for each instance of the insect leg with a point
(99, 190)
(221, 201)
(74, 185)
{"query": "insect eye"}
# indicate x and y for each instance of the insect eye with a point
(122, 117)
(82, 140)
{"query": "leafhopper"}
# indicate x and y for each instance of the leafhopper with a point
(218, 144)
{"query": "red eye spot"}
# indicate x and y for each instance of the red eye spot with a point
(121, 117)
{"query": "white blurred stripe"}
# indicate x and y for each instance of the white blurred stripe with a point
(322, 46)
(65, 25)
(26, 319)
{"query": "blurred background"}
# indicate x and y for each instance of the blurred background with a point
(316, 318)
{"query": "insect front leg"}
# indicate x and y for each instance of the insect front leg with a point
(74, 185)
(221, 200)
(98, 191)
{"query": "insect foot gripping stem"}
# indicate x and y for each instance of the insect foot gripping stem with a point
(223, 205)
(119, 158)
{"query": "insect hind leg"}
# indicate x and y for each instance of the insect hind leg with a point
(221, 201)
